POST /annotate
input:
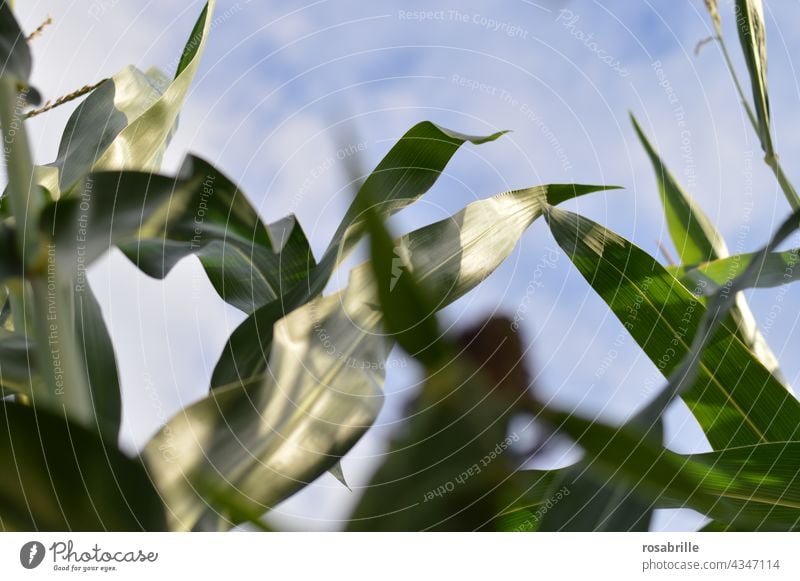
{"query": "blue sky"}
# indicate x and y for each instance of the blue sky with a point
(283, 83)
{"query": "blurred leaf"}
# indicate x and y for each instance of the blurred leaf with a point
(408, 316)
(14, 53)
(10, 259)
(127, 122)
(265, 437)
(540, 495)
(96, 362)
(450, 468)
(748, 487)
(752, 36)
(57, 476)
(459, 418)
(594, 504)
(99, 362)
(698, 241)
(734, 397)
(16, 364)
(409, 170)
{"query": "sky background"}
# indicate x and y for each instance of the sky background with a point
(284, 85)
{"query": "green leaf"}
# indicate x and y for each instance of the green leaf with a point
(451, 466)
(157, 220)
(734, 397)
(57, 476)
(126, 123)
(99, 362)
(112, 208)
(265, 437)
(593, 504)
(773, 270)
(15, 55)
(10, 259)
(19, 357)
(748, 487)
(752, 36)
(409, 170)
(693, 234)
(698, 241)
(17, 370)
(249, 264)
(409, 317)
(97, 122)
(713, 318)
(540, 495)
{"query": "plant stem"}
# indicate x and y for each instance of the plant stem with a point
(52, 314)
(771, 158)
(25, 204)
(20, 317)
(60, 360)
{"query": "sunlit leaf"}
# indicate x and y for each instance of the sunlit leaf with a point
(713, 319)
(264, 438)
(734, 397)
(698, 241)
(126, 123)
(407, 171)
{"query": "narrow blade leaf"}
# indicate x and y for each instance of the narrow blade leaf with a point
(734, 397)
(753, 38)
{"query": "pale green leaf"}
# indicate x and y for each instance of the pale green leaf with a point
(126, 123)
(407, 171)
(265, 437)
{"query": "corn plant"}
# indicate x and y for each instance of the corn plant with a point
(300, 380)
(691, 320)
(283, 407)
